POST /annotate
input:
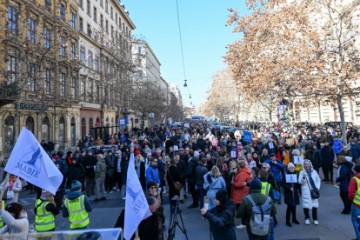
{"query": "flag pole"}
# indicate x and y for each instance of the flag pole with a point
(3, 186)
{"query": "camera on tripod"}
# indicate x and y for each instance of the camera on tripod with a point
(173, 223)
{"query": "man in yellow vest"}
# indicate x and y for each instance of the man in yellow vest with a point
(1, 219)
(45, 212)
(77, 207)
(354, 197)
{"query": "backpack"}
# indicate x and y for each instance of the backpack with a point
(260, 218)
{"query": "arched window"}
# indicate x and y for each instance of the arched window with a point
(30, 124)
(62, 132)
(83, 127)
(45, 129)
(91, 124)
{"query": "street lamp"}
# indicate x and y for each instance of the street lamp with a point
(185, 84)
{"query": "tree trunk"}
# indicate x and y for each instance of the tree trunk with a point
(270, 115)
(342, 118)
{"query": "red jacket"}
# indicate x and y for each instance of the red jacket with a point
(353, 188)
(238, 190)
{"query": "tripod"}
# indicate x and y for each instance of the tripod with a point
(175, 212)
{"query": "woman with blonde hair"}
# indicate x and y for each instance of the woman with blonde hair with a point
(213, 182)
(264, 155)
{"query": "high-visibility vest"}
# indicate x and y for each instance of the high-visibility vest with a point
(265, 188)
(44, 220)
(78, 216)
(1, 219)
(357, 194)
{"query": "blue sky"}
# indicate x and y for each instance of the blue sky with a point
(204, 38)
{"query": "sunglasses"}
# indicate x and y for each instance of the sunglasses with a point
(154, 187)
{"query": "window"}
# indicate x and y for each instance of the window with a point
(97, 63)
(62, 42)
(48, 5)
(119, 23)
(74, 87)
(101, 21)
(81, 4)
(11, 69)
(32, 78)
(88, 7)
(83, 89)
(116, 18)
(112, 31)
(95, 14)
(62, 84)
(81, 27)
(97, 93)
(82, 55)
(106, 6)
(48, 81)
(89, 30)
(73, 20)
(62, 11)
(102, 3)
(139, 50)
(107, 26)
(31, 31)
(111, 13)
(12, 20)
(47, 38)
(90, 59)
(73, 51)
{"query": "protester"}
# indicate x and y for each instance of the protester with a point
(221, 217)
(354, 197)
(100, 174)
(13, 188)
(77, 207)
(309, 180)
(291, 195)
(152, 172)
(153, 191)
(173, 179)
(90, 163)
(15, 218)
(343, 177)
(200, 171)
(277, 168)
(214, 182)
(45, 211)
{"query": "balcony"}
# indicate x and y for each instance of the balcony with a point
(8, 93)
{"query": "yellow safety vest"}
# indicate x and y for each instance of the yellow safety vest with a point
(78, 216)
(1, 219)
(357, 194)
(265, 188)
(44, 220)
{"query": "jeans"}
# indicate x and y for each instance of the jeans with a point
(355, 213)
(200, 193)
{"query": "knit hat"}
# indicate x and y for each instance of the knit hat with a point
(151, 184)
(222, 196)
(357, 168)
(290, 165)
(76, 186)
(137, 152)
(45, 194)
(154, 155)
(255, 184)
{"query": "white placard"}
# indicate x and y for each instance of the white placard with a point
(271, 145)
(233, 154)
(291, 178)
(349, 159)
(298, 160)
(176, 148)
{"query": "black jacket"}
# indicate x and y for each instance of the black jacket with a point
(190, 173)
(221, 220)
(291, 198)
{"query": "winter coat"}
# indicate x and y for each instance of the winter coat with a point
(76, 172)
(327, 156)
(200, 171)
(291, 198)
(100, 171)
(344, 176)
(17, 187)
(190, 173)
(355, 151)
(306, 200)
(221, 220)
(90, 162)
(276, 169)
(124, 165)
(152, 174)
(353, 188)
(315, 158)
(173, 175)
(238, 190)
(245, 209)
(13, 225)
(213, 187)
(251, 164)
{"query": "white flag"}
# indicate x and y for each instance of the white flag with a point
(136, 206)
(29, 161)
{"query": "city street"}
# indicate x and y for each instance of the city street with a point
(332, 224)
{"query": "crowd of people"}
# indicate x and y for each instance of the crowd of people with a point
(225, 176)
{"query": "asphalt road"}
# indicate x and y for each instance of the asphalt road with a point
(332, 224)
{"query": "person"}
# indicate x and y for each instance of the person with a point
(190, 173)
(148, 227)
(343, 177)
(221, 217)
(250, 163)
(153, 191)
(291, 196)
(100, 174)
(239, 188)
(45, 211)
(306, 176)
(327, 157)
(173, 175)
(277, 168)
(77, 207)
(76, 171)
(200, 171)
(213, 183)
(13, 188)
(15, 218)
(245, 209)
(152, 172)
(354, 197)
(90, 163)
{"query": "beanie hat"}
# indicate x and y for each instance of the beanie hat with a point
(154, 155)
(137, 152)
(151, 184)
(222, 196)
(75, 185)
(255, 184)
(45, 194)
(357, 168)
(290, 165)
